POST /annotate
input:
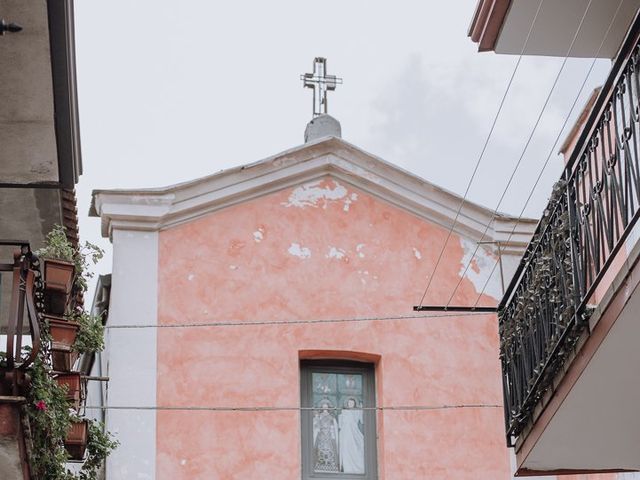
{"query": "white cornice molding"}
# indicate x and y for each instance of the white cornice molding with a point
(161, 208)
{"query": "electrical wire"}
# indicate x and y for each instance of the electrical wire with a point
(286, 409)
(555, 143)
(482, 152)
(524, 151)
(240, 323)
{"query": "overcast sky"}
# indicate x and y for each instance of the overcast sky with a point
(171, 91)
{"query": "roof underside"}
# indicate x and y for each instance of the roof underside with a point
(502, 26)
(39, 135)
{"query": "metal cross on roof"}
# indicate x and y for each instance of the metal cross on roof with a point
(321, 84)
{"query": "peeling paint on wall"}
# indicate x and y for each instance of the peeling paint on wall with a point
(320, 193)
(258, 235)
(297, 251)
(364, 273)
(349, 200)
(480, 268)
(337, 253)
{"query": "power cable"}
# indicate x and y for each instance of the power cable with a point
(524, 151)
(484, 148)
(286, 409)
(240, 323)
(546, 163)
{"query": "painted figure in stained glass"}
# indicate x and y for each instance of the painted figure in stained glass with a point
(325, 439)
(351, 438)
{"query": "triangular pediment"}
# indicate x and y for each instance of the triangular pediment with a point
(161, 208)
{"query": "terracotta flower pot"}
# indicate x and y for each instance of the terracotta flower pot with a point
(63, 332)
(76, 441)
(73, 383)
(58, 275)
(56, 302)
(63, 359)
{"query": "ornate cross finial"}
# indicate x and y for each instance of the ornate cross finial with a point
(321, 84)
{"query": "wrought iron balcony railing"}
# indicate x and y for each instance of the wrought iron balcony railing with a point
(592, 210)
(20, 313)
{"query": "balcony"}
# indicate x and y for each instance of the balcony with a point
(568, 321)
(20, 293)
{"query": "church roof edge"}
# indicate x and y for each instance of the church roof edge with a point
(157, 208)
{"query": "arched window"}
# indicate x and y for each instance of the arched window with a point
(338, 420)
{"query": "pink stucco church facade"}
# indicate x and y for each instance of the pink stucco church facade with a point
(261, 324)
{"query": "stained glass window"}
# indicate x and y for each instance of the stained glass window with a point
(336, 427)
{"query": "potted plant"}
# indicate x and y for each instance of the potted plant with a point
(66, 269)
(59, 262)
(77, 437)
(72, 383)
(79, 333)
(63, 331)
(59, 269)
(88, 437)
(63, 360)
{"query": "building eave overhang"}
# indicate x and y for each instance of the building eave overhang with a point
(487, 22)
(65, 96)
(40, 136)
(161, 208)
(548, 28)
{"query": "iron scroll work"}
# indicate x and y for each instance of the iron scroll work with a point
(592, 211)
(24, 316)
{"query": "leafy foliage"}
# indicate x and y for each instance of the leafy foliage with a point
(48, 412)
(84, 257)
(57, 246)
(90, 337)
(99, 445)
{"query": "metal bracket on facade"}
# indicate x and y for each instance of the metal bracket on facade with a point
(453, 308)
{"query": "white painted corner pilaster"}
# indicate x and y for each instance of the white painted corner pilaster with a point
(132, 354)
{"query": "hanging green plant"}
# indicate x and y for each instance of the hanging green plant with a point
(100, 444)
(57, 246)
(49, 418)
(84, 257)
(90, 337)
